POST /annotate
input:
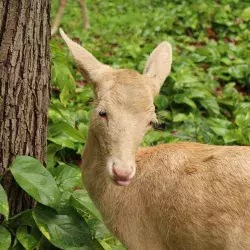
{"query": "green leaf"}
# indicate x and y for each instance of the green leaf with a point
(211, 105)
(219, 131)
(18, 246)
(70, 131)
(67, 177)
(182, 98)
(97, 245)
(64, 231)
(62, 140)
(29, 240)
(36, 180)
(246, 14)
(22, 219)
(81, 201)
(238, 71)
(161, 102)
(164, 115)
(231, 136)
(44, 244)
(105, 245)
(52, 149)
(4, 205)
(180, 117)
(5, 238)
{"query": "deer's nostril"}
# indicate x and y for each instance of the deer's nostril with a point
(122, 173)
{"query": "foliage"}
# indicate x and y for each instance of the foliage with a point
(205, 99)
(64, 216)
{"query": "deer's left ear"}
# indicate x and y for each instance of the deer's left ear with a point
(158, 65)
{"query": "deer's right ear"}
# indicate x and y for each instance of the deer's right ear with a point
(158, 65)
(88, 65)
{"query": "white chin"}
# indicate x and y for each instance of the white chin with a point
(122, 183)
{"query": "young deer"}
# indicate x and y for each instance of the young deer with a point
(176, 196)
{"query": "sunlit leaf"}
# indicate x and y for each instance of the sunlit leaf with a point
(5, 238)
(4, 205)
(36, 180)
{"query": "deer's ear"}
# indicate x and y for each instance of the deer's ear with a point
(158, 65)
(88, 65)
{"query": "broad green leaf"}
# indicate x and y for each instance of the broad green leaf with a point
(67, 177)
(164, 115)
(238, 71)
(4, 205)
(161, 102)
(29, 240)
(70, 131)
(246, 14)
(69, 231)
(97, 245)
(101, 231)
(81, 202)
(83, 129)
(63, 140)
(105, 245)
(180, 117)
(5, 238)
(182, 98)
(211, 105)
(231, 136)
(36, 180)
(219, 131)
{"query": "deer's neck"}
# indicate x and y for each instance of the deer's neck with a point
(95, 175)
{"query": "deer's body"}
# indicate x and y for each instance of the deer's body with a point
(176, 196)
(183, 196)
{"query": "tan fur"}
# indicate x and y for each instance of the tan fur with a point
(183, 196)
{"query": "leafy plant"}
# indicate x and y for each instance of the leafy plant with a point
(63, 217)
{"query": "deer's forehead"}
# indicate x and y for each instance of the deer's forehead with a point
(127, 88)
(135, 98)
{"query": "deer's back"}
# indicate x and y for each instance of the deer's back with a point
(197, 196)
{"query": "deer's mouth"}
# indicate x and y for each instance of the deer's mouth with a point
(122, 181)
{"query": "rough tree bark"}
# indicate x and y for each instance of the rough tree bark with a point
(24, 88)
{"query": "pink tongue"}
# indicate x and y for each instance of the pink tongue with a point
(123, 183)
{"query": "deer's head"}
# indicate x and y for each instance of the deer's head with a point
(124, 109)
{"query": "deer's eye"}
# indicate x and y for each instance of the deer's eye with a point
(153, 123)
(103, 114)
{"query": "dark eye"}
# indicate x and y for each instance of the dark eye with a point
(103, 114)
(153, 124)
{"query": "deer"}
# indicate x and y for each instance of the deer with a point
(183, 195)
(62, 5)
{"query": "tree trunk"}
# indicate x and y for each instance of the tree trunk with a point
(24, 88)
